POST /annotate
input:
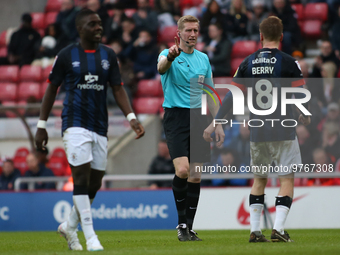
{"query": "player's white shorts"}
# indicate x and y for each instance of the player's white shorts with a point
(83, 146)
(284, 154)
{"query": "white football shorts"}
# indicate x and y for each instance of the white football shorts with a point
(83, 146)
(284, 154)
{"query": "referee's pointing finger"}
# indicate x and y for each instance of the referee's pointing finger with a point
(177, 45)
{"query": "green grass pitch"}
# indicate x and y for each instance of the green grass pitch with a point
(325, 241)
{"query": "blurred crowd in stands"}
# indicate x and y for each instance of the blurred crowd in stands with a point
(33, 164)
(138, 30)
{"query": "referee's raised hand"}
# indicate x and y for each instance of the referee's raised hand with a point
(174, 50)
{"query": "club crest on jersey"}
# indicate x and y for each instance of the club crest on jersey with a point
(105, 64)
(200, 78)
(74, 157)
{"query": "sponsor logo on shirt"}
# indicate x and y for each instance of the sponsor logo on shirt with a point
(90, 79)
(76, 64)
(105, 64)
(264, 60)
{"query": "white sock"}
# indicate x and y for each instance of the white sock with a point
(280, 219)
(82, 203)
(255, 216)
(73, 218)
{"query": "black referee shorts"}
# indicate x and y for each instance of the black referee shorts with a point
(184, 134)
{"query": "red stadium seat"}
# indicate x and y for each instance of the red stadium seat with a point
(3, 41)
(27, 89)
(235, 63)
(298, 8)
(46, 72)
(53, 6)
(20, 163)
(58, 166)
(59, 152)
(50, 18)
(30, 73)
(8, 92)
(148, 105)
(43, 87)
(168, 34)
(200, 46)
(149, 88)
(3, 52)
(57, 112)
(186, 3)
(41, 32)
(111, 12)
(9, 73)
(169, 44)
(19, 159)
(38, 20)
(317, 11)
(311, 29)
(243, 49)
(129, 12)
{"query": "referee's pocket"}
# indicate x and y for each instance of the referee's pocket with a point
(182, 74)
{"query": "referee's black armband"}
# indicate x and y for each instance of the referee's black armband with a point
(169, 59)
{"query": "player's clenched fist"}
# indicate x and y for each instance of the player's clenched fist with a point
(174, 51)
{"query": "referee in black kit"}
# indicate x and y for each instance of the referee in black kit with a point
(183, 122)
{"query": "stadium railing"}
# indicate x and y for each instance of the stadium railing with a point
(60, 181)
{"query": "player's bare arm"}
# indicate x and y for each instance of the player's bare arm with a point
(124, 104)
(222, 112)
(165, 62)
(305, 120)
(218, 129)
(41, 136)
(219, 134)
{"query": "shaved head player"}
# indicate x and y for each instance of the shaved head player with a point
(85, 69)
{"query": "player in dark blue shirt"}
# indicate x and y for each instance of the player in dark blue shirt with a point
(261, 74)
(85, 69)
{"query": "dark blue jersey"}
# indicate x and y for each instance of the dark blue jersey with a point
(263, 71)
(85, 75)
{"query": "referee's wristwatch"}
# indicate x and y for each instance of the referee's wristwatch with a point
(169, 59)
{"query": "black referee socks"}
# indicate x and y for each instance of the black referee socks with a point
(179, 188)
(193, 195)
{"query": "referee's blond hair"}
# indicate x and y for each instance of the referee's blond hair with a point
(184, 19)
